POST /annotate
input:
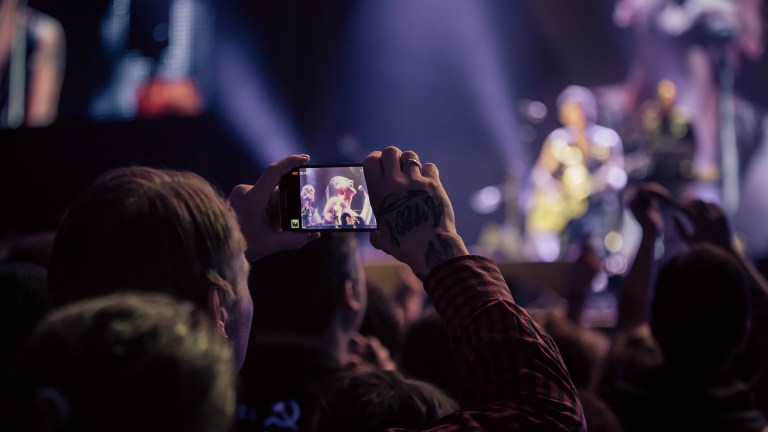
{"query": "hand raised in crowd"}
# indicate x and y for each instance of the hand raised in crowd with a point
(701, 221)
(580, 276)
(368, 353)
(256, 207)
(645, 207)
(415, 216)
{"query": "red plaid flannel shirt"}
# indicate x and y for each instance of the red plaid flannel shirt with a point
(513, 375)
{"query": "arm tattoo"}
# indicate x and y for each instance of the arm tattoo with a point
(409, 211)
(437, 252)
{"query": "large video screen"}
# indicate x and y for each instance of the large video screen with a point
(102, 60)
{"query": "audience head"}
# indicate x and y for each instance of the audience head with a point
(600, 417)
(24, 299)
(639, 353)
(311, 290)
(427, 355)
(380, 319)
(155, 230)
(124, 362)
(378, 400)
(582, 350)
(700, 311)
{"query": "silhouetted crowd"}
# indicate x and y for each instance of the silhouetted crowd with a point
(161, 304)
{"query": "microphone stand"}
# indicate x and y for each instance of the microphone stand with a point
(729, 151)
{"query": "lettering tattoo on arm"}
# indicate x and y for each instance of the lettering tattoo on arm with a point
(403, 213)
(437, 252)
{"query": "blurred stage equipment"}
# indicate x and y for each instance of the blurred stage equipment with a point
(32, 56)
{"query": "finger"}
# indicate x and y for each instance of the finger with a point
(653, 195)
(430, 170)
(272, 210)
(714, 212)
(410, 164)
(408, 154)
(390, 160)
(356, 343)
(258, 195)
(238, 192)
(693, 206)
(372, 167)
(681, 228)
(376, 240)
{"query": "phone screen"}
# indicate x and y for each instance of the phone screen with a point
(326, 197)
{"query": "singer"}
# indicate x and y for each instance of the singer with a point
(338, 208)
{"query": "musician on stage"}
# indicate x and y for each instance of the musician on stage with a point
(575, 181)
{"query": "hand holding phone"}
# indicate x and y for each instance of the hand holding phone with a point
(251, 204)
(416, 220)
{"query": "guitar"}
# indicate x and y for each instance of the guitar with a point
(566, 197)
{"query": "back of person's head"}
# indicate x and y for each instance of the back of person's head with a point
(149, 229)
(303, 291)
(700, 310)
(378, 400)
(124, 362)
(427, 355)
(600, 417)
(141, 228)
(380, 320)
(630, 362)
(580, 348)
(24, 299)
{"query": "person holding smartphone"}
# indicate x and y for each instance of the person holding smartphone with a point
(511, 370)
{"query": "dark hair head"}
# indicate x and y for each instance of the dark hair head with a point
(600, 417)
(148, 229)
(380, 320)
(579, 348)
(124, 362)
(24, 299)
(298, 291)
(378, 400)
(427, 355)
(700, 310)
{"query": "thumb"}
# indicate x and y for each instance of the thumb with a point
(376, 240)
(682, 230)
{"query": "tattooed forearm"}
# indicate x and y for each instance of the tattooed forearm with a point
(437, 251)
(403, 213)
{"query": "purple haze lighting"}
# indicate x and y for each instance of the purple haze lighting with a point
(248, 108)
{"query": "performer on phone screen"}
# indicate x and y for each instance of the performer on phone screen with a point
(340, 192)
(309, 213)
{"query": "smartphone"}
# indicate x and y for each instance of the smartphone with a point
(325, 198)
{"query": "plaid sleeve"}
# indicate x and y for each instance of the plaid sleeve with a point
(513, 375)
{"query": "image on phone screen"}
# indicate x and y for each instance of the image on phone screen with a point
(328, 197)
